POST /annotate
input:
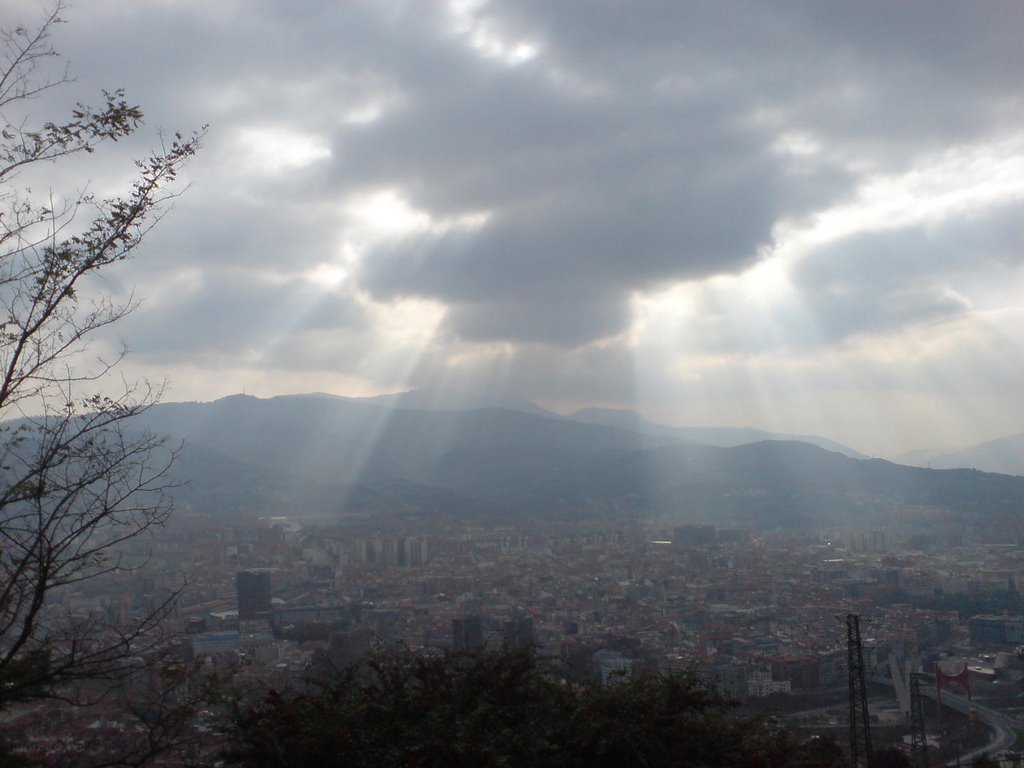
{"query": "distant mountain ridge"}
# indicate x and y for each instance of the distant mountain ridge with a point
(329, 455)
(723, 437)
(434, 399)
(1004, 455)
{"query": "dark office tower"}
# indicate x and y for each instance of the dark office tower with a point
(468, 633)
(518, 632)
(253, 594)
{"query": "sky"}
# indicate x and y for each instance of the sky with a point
(798, 216)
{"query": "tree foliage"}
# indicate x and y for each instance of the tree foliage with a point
(506, 709)
(890, 757)
(75, 483)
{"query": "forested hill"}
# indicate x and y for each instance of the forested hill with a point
(320, 452)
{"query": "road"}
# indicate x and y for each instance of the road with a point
(1004, 728)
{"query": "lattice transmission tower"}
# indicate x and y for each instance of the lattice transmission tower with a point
(918, 742)
(861, 753)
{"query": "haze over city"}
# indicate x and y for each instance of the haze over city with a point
(798, 217)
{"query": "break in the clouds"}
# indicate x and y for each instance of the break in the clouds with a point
(799, 216)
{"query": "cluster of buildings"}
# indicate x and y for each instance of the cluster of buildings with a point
(761, 615)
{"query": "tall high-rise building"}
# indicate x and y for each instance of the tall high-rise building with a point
(866, 541)
(253, 589)
(388, 551)
(468, 633)
(415, 551)
(518, 632)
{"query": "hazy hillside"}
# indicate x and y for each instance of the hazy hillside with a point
(319, 454)
(1005, 455)
(431, 399)
(211, 483)
(342, 439)
(767, 484)
(721, 436)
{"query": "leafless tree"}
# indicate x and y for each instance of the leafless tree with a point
(76, 482)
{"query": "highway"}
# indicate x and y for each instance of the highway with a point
(1004, 728)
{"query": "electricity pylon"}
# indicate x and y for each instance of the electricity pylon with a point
(918, 742)
(861, 753)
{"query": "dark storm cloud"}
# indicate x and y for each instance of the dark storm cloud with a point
(667, 171)
(627, 203)
(240, 314)
(644, 144)
(876, 282)
(864, 72)
(590, 196)
(884, 280)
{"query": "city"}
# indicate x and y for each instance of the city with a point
(760, 615)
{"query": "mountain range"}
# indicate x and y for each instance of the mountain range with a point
(724, 437)
(1005, 455)
(414, 457)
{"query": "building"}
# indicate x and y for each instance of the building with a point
(388, 552)
(385, 551)
(414, 552)
(205, 644)
(612, 666)
(253, 588)
(760, 683)
(695, 535)
(518, 633)
(311, 613)
(726, 679)
(800, 671)
(468, 633)
(996, 630)
(866, 541)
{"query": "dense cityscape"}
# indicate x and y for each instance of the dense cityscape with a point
(271, 601)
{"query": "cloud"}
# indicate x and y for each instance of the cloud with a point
(578, 199)
(591, 198)
(882, 281)
(238, 314)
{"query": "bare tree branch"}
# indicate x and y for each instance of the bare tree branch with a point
(77, 482)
